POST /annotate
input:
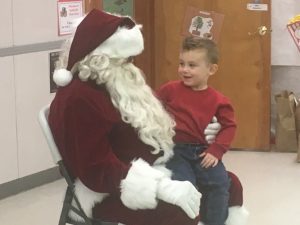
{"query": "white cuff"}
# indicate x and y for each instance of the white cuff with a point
(238, 215)
(139, 188)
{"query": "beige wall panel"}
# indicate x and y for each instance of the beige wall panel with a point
(32, 92)
(8, 140)
(6, 39)
(35, 21)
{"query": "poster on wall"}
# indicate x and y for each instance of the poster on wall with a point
(53, 58)
(67, 13)
(202, 24)
(121, 7)
(284, 51)
(294, 28)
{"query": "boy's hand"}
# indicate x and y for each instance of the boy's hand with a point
(208, 160)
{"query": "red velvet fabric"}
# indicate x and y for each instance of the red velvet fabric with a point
(194, 110)
(235, 190)
(112, 209)
(97, 147)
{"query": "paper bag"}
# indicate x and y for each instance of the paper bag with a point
(286, 133)
(297, 115)
(297, 118)
(298, 155)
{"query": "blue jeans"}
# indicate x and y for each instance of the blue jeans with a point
(212, 182)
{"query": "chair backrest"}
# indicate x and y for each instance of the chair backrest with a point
(70, 195)
(43, 121)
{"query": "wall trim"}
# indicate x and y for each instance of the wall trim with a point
(31, 181)
(24, 49)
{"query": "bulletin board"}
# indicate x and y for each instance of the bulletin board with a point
(284, 51)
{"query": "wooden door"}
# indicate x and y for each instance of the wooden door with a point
(244, 68)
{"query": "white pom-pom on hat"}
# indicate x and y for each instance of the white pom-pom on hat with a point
(62, 77)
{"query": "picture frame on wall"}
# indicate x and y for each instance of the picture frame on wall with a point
(120, 7)
(294, 30)
(204, 24)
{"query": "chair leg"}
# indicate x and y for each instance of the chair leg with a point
(66, 207)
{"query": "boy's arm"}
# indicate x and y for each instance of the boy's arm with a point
(225, 115)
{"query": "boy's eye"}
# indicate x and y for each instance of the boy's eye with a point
(192, 65)
(181, 64)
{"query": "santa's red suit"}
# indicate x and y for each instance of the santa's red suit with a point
(115, 149)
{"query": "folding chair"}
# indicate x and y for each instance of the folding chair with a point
(70, 195)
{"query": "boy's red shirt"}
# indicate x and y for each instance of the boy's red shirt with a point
(193, 111)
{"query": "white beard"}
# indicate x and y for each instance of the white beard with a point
(134, 99)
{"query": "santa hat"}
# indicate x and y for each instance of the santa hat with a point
(102, 33)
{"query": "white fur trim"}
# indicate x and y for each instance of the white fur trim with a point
(87, 199)
(123, 43)
(164, 170)
(62, 77)
(138, 189)
(168, 154)
(238, 215)
(200, 223)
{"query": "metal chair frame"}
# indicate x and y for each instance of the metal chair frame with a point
(70, 194)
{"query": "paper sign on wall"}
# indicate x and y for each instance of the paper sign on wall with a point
(257, 7)
(67, 12)
(202, 24)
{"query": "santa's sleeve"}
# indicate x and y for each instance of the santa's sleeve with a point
(97, 167)
(89, 150)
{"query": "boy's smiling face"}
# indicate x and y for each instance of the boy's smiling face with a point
(194, 68)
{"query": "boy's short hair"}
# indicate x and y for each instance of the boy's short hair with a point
(195, 43)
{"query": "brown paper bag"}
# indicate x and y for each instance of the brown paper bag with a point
(297, 115)
(286, 134)
(297, 118)
(298, 157)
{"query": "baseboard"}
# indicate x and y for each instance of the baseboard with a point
(26, 183)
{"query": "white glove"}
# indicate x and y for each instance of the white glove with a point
(212, 130)
(139, 188)
(180, 193)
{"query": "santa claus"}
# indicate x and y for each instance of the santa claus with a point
(114, 135)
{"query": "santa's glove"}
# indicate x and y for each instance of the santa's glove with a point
(180, 193)
(212, 130)
(139, 188)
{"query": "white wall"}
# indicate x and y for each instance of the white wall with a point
(8, 150)
(284, 51)
(285, 55)
(34, 21)
(24, 85)
(32, 92)
(6, 39)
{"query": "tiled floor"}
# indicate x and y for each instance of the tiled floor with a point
(271, 192)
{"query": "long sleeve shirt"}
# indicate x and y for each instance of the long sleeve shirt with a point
(194, 110)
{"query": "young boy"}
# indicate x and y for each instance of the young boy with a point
(193, 104)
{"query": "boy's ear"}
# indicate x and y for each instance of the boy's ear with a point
(213, 68)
